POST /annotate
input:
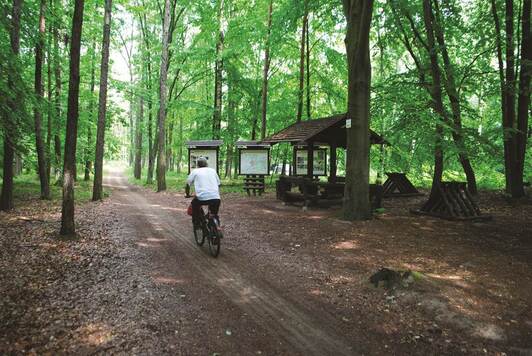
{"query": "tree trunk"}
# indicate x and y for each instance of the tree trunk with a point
(151, 149)
(50, 115)
(6, 199)
(88, 153)
(39, 93)
(161, 156)
(436, 92)
(19, 164)
(67, 214)
(523, 103)
(358, 14)
(180, 147)
(138, 139)
(302, 64)
(151, 144)
(265, 73)
(509, 96)
(254, 125)
(308, 65)
(454, 99)
(169, 144)
(218, 78)
(57, 105)
(102, 105)
(230, 126)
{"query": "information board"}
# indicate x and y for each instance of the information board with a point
(320, 162)
(254, 161)
(209, 154)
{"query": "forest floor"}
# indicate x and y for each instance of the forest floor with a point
(287, 281)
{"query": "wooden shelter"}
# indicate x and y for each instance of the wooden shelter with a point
(311, 135)
(329, 131)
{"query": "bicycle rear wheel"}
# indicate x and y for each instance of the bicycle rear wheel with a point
(214, 243)
(199, 236)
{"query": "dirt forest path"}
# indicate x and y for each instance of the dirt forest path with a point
(230, 291)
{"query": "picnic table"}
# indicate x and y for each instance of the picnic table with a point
(313, 192)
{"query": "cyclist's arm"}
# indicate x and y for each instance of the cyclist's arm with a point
(189, 182)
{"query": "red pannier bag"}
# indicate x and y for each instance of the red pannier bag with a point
(189, 210)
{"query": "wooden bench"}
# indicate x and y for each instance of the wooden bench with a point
(313, 192)
(255, 184)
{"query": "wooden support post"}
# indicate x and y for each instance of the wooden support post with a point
(310, 160)
(333, 164)
(293, 169)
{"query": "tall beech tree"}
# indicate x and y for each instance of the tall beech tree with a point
(57, 93)
(358, 14)
(304, 27)
(266, 72)
(514, 126)
(102, 104)
(433, 46)
(161, 117)
(49, 110)
(39, 93)
(88, 148)
(523, 103)
(137, 170)
(152, 143)
(68, 226)
(436, 92)
(6, 199)
(218, 77)
(451, 89)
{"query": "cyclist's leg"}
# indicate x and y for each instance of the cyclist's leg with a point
(214, 208)
(196, 211)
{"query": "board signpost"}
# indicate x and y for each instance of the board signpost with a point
(254, 164)
(208, 149)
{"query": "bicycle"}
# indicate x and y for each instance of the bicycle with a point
(209, 228)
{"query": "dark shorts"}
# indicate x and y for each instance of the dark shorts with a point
(214, 207)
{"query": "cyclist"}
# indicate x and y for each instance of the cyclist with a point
(206, 185)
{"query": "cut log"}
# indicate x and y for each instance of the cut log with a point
(398, 185)
(452, 201)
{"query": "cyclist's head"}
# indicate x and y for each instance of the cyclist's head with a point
(202, 162)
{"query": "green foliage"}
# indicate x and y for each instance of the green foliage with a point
(400, 104)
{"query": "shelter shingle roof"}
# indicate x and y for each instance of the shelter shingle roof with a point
(324, 130)
(204, 143)
(252, 144)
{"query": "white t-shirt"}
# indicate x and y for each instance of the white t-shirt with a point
(206, 182)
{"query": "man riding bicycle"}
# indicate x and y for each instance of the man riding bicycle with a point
(206, 185)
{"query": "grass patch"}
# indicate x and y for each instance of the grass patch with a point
(27, 186)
